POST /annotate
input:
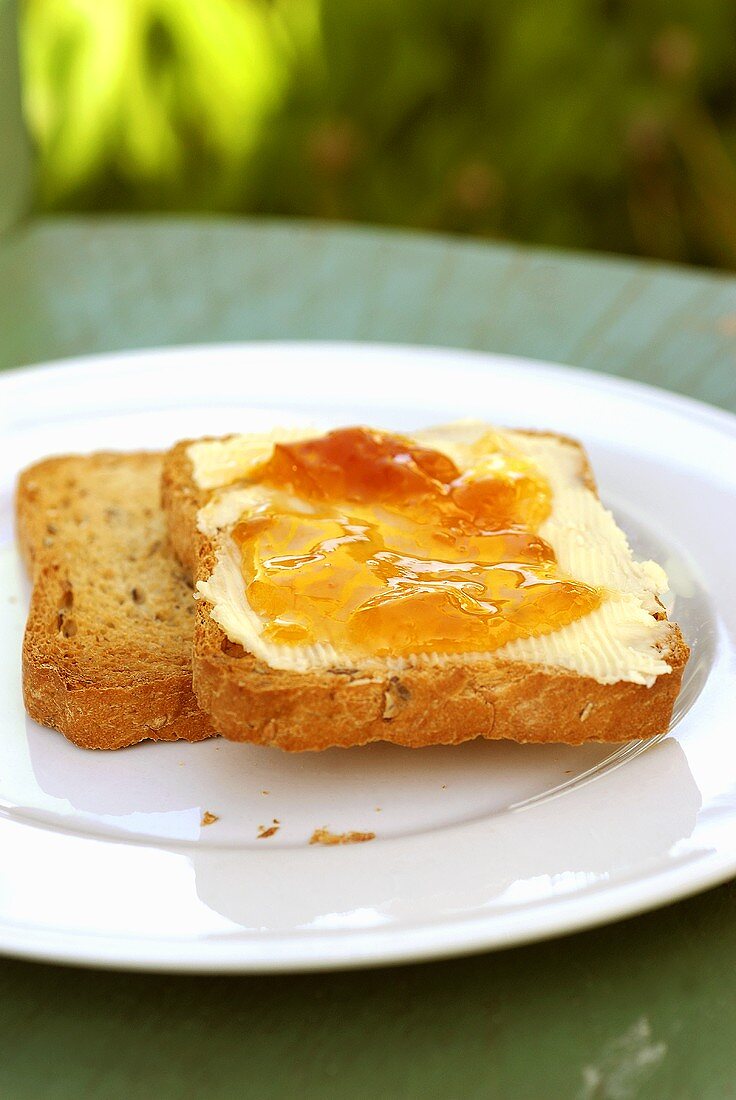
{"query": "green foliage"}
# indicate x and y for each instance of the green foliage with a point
(589, 123)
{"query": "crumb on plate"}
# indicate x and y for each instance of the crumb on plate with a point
(324, 836)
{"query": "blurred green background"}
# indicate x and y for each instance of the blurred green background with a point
(601, 124)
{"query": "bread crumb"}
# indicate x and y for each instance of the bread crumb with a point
(264, 833)
(208, 818)
(444, 786)
(378, 809)
(324, 836)
(265, 792)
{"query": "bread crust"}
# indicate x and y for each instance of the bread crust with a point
(104, 691)
(495, 699)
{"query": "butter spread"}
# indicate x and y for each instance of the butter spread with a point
(619, 640)
(220, 462)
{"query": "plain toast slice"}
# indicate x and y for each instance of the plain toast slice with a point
(107, 646)
(442, 704)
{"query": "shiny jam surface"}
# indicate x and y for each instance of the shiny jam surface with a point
(375, 544)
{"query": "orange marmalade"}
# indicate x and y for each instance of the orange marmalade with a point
(369, 542)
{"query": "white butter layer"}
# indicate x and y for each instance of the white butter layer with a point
(219, 462)
(618, 641)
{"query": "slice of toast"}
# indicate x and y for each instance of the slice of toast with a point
(107, 647)
(442, 703)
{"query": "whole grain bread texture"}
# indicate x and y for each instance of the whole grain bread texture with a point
(108, 642)
(495, 699)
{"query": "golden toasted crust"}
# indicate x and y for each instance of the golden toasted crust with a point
(495, 699)
(181, 499)
(107, 646)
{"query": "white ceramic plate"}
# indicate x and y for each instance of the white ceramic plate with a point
(102, 856)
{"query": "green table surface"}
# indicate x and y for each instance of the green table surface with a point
(643, 1008)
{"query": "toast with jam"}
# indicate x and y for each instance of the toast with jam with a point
(421, 589)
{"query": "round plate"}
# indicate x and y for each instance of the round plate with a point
(103, 859)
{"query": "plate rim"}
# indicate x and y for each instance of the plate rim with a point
(364, 948)
(673, 399)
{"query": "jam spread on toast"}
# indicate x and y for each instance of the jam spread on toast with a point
(374, 543)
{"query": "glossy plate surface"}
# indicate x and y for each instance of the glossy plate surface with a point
(103, 860)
